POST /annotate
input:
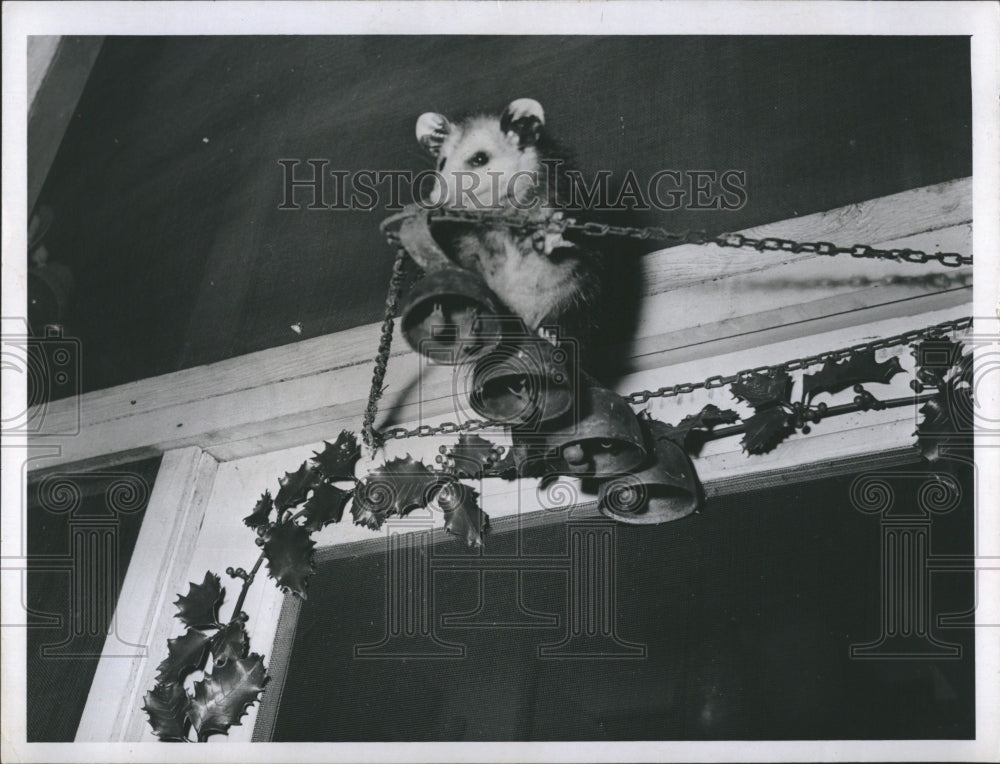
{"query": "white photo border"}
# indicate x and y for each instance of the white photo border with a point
(978, 20)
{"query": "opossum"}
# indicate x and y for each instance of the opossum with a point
(498, 163)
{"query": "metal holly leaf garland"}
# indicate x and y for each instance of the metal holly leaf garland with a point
(231, 677)
(776, 416)
(230, 682)
(209, 678)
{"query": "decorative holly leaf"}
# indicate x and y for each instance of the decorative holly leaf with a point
(395, 488)
(325, 506)
(223, 697)
(937, 418)
(184, 655)
(261, 512)
(762, 389)
(367, 514)
(200, 606)
(462, 515)
(710, 416)
(839, 375)
(936, 357)
(945, 416)
(295, 487)
(338, 458)
(765, 429)
(230, 642)
(167, 706)
(288, 549)
(470, 456)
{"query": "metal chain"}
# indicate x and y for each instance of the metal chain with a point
(445, 428)
(560, 223)
(643, 396)
(719, 380)
(371, 438)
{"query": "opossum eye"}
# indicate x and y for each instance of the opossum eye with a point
(479, 159)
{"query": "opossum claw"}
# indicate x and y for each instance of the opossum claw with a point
(549, 335)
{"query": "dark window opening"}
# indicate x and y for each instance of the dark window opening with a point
(82, 529)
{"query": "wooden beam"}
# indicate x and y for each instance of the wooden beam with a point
(144, 616)
(66, 69)
(876, 221)
(41, 51)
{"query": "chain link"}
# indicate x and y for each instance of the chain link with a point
(559, 223)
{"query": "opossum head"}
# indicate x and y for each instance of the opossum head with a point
(486, 162)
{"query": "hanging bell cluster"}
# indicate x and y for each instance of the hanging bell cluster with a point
(558, 416)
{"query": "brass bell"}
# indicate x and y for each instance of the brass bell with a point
(666, 489)
(524, 381)
(447, 316)
(605, 439)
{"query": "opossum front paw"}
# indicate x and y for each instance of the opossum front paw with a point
(549, 334)
(546, 243)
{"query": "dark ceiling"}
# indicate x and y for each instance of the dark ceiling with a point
(166, 189)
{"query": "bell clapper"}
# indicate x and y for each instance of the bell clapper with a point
(574, 454)
(521, 391)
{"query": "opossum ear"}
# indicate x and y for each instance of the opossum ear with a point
(524, 117)
(432, 129)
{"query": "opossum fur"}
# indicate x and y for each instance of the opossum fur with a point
(500, 157)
